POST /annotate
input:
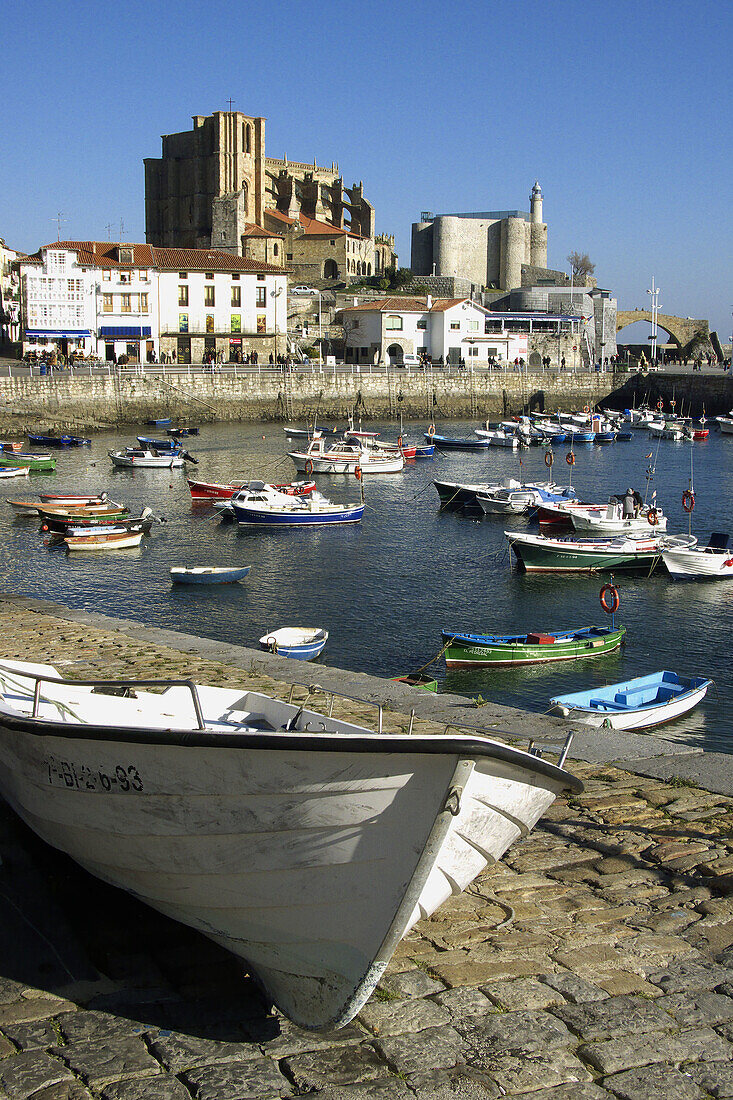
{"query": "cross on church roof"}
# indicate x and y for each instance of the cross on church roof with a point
(231, 101)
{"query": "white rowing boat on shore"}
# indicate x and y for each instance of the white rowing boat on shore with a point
(304, 844)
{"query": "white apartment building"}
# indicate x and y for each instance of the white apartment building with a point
(9, 296)
(450, 330)
(110, 300)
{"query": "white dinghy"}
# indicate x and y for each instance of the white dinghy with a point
(304, 844)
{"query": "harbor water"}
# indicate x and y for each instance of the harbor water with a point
(385, 588)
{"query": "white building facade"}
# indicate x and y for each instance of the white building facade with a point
(447, 330)
(110, 301)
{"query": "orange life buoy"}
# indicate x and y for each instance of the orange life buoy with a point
(357, 473)
(549, 458)
(399, 440)
(653, 517)
(660, 404)
(688, 500)
(610, 599)
(586, 409)
(570, 458)
(431, 430)
(308, 466)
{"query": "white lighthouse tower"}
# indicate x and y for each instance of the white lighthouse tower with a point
(535, 208)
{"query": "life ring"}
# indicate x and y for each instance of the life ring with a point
(688, 500)
(399, 440)
(357, 473)
(653, 517)
(660, 404)
(610, 599)
(586, 409)
(570, 458)
(431, 430)
(549, 458)
(308, 466)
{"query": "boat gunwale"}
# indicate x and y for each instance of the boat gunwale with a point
(368, 742)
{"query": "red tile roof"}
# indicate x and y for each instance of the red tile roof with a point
(312, 226)
(96, 254)
(405, 305)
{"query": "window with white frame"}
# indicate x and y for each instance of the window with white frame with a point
(393, 322)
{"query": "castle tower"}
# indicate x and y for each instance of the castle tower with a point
(536, 204)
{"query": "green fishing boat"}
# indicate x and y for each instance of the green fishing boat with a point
(478, 650)
(538, 554)
(33, 462)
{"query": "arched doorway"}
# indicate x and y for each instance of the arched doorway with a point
(330, 270)
(395, 355)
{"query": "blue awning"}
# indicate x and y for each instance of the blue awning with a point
(122, 332)
(59, 333)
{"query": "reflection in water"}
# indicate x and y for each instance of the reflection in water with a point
(384, 589)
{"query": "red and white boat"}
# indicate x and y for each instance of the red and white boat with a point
(211, 490)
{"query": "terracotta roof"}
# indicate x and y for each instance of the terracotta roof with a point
(97, 254)
(258, 231)
(212, 259)
(312, 226)
(405, 305)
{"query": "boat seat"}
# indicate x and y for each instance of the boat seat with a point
(607, 704)
(718, 540)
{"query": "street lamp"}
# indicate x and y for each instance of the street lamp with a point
(654, 291)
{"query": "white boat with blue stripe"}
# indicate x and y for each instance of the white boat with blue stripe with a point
(263, 506)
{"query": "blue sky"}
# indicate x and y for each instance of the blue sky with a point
(622, 110)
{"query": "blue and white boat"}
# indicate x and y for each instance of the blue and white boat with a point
(634, 704)
(446, 442)
(159, 444)
(264, 506)
(582, 437)
(206, 574)
(162, 422)
(424, 450)
(303, 643)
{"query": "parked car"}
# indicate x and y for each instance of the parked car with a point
(302, 290)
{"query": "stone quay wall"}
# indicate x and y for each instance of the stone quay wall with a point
(104, 401)
(101, 400)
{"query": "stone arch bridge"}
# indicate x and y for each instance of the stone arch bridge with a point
(682, 330)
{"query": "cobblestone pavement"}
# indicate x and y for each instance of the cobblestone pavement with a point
(594, 961)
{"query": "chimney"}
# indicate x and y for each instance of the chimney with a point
(429, 303)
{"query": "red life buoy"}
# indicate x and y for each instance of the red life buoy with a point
(431, 430)
(308, 466)
(549, 458)
(660, 404)
(570, 458)
(688, 500)
(586, 409)
(653, 517)
(357, 473)
(610, 599)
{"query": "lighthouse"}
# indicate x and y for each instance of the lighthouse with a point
(535, 208)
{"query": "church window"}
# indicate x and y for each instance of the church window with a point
(248, 138)
(274, 250)
(393, 322)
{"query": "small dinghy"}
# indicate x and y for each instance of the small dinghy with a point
(34, 462)
(306, 845)
(694, 563)
(635, 704)
(417, 680)
(452, 443)
(63, 500)
(477, 650)
(147, 459)
(207, 574)
(114, 540)
(211, 490)
(14, 471)
(304, 643)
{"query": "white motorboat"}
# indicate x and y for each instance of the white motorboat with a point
(498, 438)
(611, 520)
(506, 501)
(725, 423)
(262, 506)
(147, 459)
(304, 844)
(691, 563)
(344, 458)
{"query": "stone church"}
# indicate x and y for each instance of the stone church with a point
(214, 187)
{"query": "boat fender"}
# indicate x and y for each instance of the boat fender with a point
(308, 466)
(653, 517)
(431, 430)
(357, 473)
(688, 500)
(453, 801)
(610, 599)
(570, 458)
(549, 458)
